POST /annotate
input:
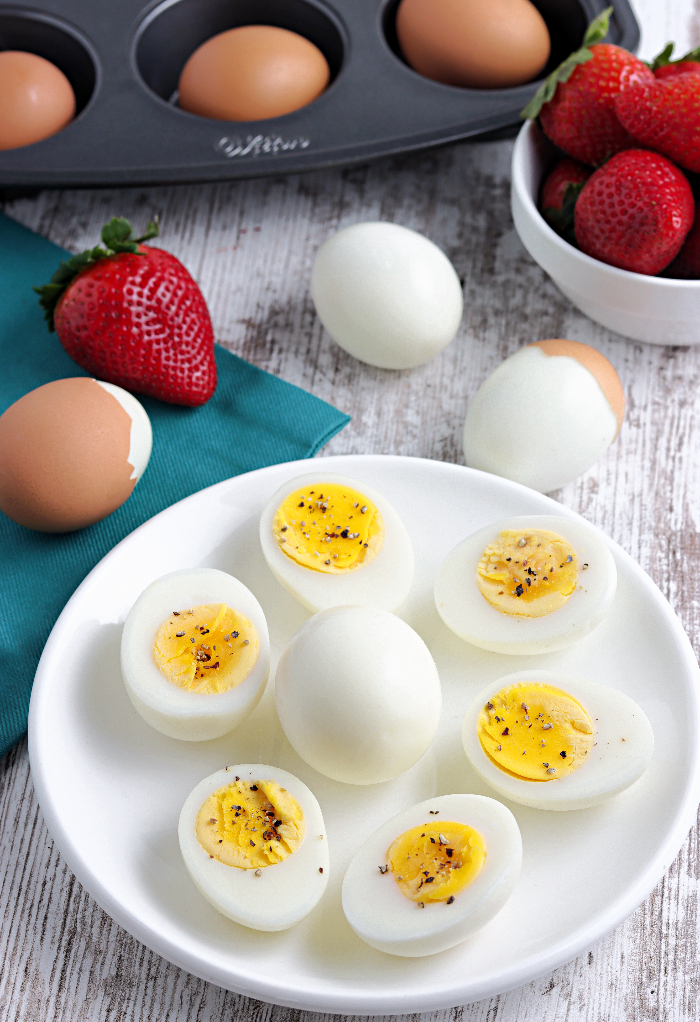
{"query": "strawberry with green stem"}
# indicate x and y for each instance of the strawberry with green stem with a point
(132, 315)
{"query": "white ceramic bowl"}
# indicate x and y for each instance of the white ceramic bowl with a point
(643, 308)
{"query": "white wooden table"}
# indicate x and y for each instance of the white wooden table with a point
(251, 247)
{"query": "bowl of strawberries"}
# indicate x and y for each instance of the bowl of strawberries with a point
(605, 182)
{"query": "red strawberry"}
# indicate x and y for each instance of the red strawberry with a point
(686, 265)
(664, 67)
(635, 212)
(576, 104)
(132, 315)
(665, 116)
(560, 191)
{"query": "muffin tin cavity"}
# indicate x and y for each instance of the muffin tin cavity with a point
(124, 61)
(48, 38)
(171, 33)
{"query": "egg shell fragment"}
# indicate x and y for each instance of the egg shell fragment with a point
(383, 583)
(189, 716)
(283, 894)
(386, 294)
(386, 920)
(470, 616)
(624, 745)
(545, 415)
(358, 694)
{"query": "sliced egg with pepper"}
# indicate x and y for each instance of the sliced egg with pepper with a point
(254, 842)
(433, 875)
(195, 654)
(526, 585)
(333, 541)
(550, 741)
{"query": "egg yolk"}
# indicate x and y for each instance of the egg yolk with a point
(529, 574)
(207, 649)
(329, 528)
(436, 861)
(250, 824)
(535, 732)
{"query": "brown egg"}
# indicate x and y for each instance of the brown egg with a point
(71, 453)
(36, 99)
(597, 364)
(477, 44)
(252, 73)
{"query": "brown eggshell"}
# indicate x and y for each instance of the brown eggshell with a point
(476, 44)
(252, 73)
(36, 99)
(63, 456)
(597, 364)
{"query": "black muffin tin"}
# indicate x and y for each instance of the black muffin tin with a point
(124, 60)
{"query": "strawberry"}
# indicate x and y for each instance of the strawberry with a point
(576, 103)
(665, 116)
(132, 315)
(635, 212)
(686, 265)
(560, 191)
(664, 67)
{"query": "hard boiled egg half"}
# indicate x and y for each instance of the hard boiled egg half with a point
(433, 875)
(195, 654)
(332, 540)
(553, 742)
(254, 842)
(526, 585)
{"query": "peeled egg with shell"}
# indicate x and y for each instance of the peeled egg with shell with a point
(358, 694)
(545, 415)
(71, 453)
(254, 843)
(526, 585)
(386, 294)
(475, 44)
(195, 654)
(550, 741)
(433, 875)
(332, 540)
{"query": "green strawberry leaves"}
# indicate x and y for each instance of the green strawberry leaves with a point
(595, 33)
(664, 58)
(116, 237)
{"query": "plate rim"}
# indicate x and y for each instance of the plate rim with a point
(375, 1003)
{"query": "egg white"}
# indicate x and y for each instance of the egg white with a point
(468, 613)
(189, 716)
(284, 893)
(358, 694)
(389, 921)
(383, 582)
(623, 746)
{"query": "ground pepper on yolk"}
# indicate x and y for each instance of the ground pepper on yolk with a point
(436, 861)
(250, 824)
(329, 528)
(535, 732)
(207, 649)
(528, 574)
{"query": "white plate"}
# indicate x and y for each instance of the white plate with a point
(111, 788)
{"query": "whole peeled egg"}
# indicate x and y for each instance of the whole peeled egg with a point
(476, 44)
(252, 73)
(386, 294)
(71, 453)
(545, 415)
(358, 694)
(36, 99)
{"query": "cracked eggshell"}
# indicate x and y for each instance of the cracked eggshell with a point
(545, 415)
(624, 745)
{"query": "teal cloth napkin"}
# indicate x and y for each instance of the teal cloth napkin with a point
(254, 419)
